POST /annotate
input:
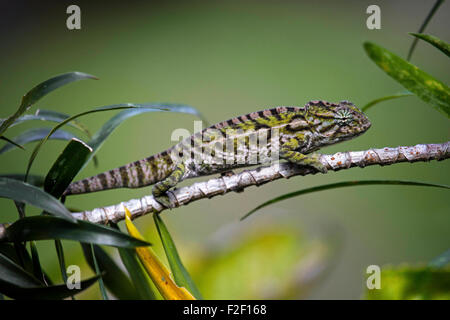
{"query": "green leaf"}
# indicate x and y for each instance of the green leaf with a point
(42, 89)
(182, 277)
(29, 194)
(17, 254)
(434, 41)
(49, 227)
(37, 269)
(97, 270)
(35, 180)
(101, 135)
(66, 167)
(427, 88)
(394, 96)
(12, 142)
(138, 276)
(54, 292)
(35, 135)
(441, 261)
(115, 279)
(16, 275)
(342, 185)
(61, 260)
(412, 283)
(423, 26)
(50, 115)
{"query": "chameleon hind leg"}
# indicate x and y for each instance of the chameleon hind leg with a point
(160, 188)
(287, 152)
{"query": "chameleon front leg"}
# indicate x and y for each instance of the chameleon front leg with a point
(287, 152)
(160, 188)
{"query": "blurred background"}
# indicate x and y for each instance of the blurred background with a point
(228, 58)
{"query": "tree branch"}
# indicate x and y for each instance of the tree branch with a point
(262, 175)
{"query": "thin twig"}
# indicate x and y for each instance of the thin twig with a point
(262, 175)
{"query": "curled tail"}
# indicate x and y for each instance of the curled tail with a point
(133, 175)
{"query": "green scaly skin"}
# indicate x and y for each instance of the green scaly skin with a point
(294, 133)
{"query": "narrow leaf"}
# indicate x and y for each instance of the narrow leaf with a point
(61, 260)
(434, 41)
(54, 292)
(423, 26)
(114, 278)
(394, 96)
(49, 227)
(97, 271)
(15, 274)
(42, 89)
(53, 116)
(29, 194)
(66, 167)
(137, 274)
(427, 88)
(35, 180)
(181, 275)
(21, 258)
(11, 142)
(343, 185)
(37, 134)
(37, 269)
(156, 269)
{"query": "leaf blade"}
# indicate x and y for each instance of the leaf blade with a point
(114, 278)
(15, 274)
(66, 167)
(27, 193)
(49, 227)
(434, 41)
(53, 292)
(394, 96)
(430, 15)
(156, 269)
(37, 134)
(341, 185)
(423, 85)
(181, 275)
(39, 91)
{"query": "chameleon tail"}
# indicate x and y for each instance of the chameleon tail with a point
(133, 175)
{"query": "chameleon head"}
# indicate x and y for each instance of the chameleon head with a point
(335, 122)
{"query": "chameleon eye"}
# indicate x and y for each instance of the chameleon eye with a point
(343, 117)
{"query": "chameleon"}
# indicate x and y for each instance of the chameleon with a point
(292, 133)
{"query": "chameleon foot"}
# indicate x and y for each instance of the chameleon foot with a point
(311, 160)
(316, 163)
(164, 201)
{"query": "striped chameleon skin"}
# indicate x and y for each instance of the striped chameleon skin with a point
(290, 133)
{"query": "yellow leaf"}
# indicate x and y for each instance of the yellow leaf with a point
(159, 274)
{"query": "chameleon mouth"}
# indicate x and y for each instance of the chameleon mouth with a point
(366, 125)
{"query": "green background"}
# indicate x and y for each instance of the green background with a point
(231, 58)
